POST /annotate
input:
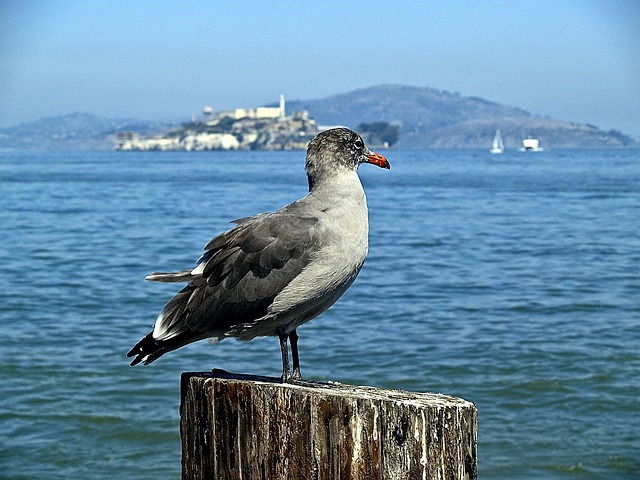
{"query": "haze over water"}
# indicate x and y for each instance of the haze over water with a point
(511, 281)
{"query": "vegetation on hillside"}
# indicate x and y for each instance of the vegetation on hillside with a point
(379, 133)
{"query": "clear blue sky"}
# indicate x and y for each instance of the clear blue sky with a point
(569, 59)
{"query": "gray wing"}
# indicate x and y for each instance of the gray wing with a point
(239, 275)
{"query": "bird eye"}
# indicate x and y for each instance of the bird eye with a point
(359, 143)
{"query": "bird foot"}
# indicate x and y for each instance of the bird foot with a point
(295, 377)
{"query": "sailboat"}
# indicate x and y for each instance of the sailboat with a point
(498, 144)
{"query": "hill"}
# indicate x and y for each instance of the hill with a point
(76, 131)
(438, 119)
(427, 118)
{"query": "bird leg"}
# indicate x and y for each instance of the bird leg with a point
(287, 375)
(293, 336)
(286, 372)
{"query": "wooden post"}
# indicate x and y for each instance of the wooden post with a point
(247, 427)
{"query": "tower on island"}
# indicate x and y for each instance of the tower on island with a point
(282, 110)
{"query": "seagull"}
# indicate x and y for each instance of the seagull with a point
(275, 271)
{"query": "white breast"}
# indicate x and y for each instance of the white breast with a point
(341, 207)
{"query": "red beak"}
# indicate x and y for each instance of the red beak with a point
(378, 160)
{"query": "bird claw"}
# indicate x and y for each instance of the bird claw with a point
(296, 377)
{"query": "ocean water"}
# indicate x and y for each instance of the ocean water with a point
(512, 281)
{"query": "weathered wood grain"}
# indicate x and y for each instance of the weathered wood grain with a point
(246, 427)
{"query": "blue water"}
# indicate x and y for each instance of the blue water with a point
(512, 281)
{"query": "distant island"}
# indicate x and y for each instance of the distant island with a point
(262, 128)
(431, 118)
(398, 115)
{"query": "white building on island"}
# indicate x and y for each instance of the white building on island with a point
(260, 112)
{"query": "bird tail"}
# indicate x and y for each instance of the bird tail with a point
(146, 350)
(183, 276)
(171, 333)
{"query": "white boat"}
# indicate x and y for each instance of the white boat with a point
(498, 144)
(531, 145)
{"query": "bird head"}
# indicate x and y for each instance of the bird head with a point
(339, 148)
